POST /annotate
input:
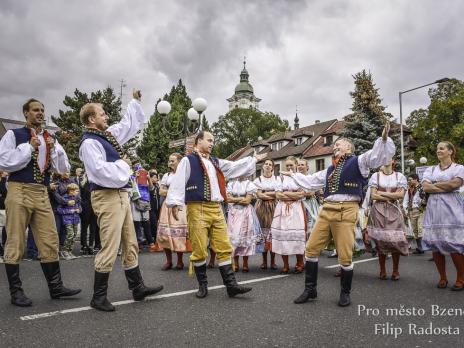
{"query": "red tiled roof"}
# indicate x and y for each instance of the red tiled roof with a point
(240, 153)
(318, 149)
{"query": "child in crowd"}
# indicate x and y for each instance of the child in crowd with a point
(71, 219)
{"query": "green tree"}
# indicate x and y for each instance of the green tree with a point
(205, 124)
(71, 128)
(442, 120)
(240, 127)
(154, 149)
(365, 124)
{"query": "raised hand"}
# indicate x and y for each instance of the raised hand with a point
(51, 142)
(386, 130)
(35, 142)
(136, 94)
(260, 157)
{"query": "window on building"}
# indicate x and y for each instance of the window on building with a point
(328, 140)
(320, 164)
(299, 141)
(280, 145)
(277, 169)
(274, 147)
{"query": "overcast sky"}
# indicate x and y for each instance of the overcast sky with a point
(298, 52)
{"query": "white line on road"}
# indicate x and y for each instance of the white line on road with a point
(360, 261)
(120, 303)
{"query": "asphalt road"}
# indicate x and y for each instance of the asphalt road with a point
(379, 315)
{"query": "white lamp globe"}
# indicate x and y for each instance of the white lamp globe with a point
(200, 105)
(163, 107)
(423, 160)
(192, 114)
(411, 162)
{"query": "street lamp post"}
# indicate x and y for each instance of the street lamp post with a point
(400, 94)
(193, 114)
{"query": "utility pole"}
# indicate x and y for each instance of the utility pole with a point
(122, 85)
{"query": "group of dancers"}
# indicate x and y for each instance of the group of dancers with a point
(285, 220)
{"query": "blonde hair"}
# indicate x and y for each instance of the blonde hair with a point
(72, 187)
(87, 111)
(293, 159)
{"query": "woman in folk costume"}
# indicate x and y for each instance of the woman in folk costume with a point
(386, 222)
(288, 227)
(444, 215)
(265, 206)
(172, 233)
(310, 201)
(242, 222)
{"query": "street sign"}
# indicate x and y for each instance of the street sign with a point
(190, 144)
(176, 143)
(420, 171)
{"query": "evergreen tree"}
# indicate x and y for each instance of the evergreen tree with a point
(154, 149)
(205, 124)
(240, 127)
(71, 127)
(442, 120)
(367, 120)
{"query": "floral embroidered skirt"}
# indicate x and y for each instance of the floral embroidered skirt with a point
(386, 228)
(172, 234)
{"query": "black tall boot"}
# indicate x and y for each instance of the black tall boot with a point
(418, 250)
(200, 272)
(135, 281)
(310, 290)
(228, 278)
(345, 281)
(18, 298)
(52, 273)
(100, 289)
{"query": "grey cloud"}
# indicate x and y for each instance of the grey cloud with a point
(298, 52)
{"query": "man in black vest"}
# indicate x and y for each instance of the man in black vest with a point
(108, 170)
(343, 182)
(200, 182)
(28, 154)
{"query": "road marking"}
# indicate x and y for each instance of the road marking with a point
(360, 261)
(150, 298)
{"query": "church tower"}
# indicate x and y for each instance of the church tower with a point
(244, 96)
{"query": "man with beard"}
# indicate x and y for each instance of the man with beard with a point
(200, 183)
(29, 154)
(108, 170)
(343, 184)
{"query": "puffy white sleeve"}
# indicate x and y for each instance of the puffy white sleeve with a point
(311, 182)
(235, 169)
(258, 184)
(164, 180)
(230, 187)
(428, 175)
(382, 152)
(279, 185)
(459, 171)
(373, 181)
(176, 192)
(251, 188)
(59, 159)
(130, 123)
(12, 157)
(402, 181)
(99, 171)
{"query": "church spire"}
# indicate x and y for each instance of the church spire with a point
(244, 74)
(296, 121)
